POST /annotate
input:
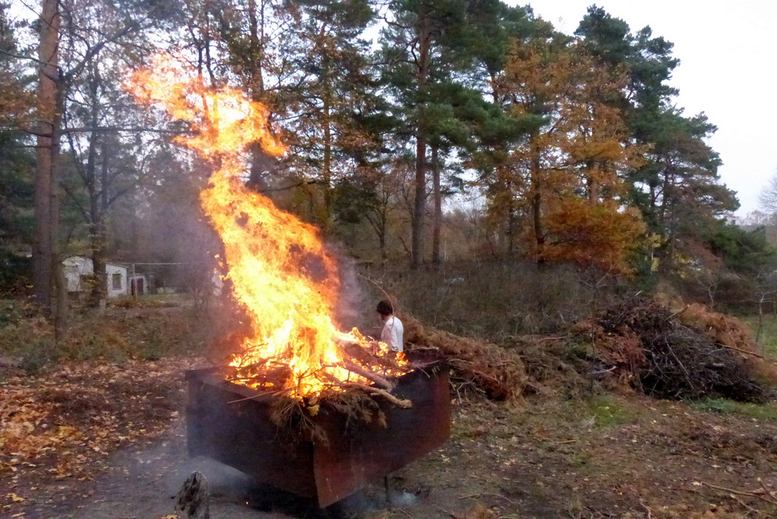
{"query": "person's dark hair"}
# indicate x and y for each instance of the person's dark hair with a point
(385, 308)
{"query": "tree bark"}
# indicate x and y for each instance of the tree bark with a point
(437, 218)
(96, 191)
(668, 218)
(536, 201)
(57, 252)
(98, 234)
(259, 161)
(511, 223)
(325, 214)
(419, 207)
(326, 166)
(47, 150)
(382, 244)
(61, 309)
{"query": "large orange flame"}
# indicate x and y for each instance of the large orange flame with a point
(279, 268)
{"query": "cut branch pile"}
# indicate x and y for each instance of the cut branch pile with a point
(372, 377)
(486, 367)
(371, 371)
(725, 330)
(480, 366)
(649, 347)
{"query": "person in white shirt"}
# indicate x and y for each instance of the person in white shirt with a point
(393, 331)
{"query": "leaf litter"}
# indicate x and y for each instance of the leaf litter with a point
(64, 423)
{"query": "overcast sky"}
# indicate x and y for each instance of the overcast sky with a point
(728, 69)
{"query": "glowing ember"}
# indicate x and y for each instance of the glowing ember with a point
(280, 270)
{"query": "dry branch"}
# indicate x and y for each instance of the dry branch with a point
(399, 402)
(763, 493)
(642, 343)
(373, 377)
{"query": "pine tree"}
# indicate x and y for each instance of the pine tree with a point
(677, 187)
(416, 44)
(330, 96)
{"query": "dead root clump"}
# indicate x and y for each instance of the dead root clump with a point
(477, 365)
(644, 344)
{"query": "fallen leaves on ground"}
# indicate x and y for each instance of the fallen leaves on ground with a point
(64, 423)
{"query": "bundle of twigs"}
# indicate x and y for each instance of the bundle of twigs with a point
(483, 366)
(665, 358)
(372, 374)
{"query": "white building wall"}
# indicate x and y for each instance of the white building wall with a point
(116, 278)
(75, 267)
(78, 266)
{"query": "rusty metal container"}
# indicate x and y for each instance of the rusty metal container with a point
(223, 425)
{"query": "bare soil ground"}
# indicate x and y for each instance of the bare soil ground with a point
(121, 454)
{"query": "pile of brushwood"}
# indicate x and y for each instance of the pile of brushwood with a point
(476, 366)
(644, 344)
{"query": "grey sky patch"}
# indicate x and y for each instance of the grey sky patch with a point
(727, 53)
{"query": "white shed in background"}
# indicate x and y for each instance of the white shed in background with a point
(79, 269)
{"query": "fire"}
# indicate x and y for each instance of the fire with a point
(280, 270)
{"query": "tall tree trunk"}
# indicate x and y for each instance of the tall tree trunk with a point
(326, 166)
(61, 309)
(511, 223)
(536, 200)
(419, 204)
(667, 223)
(94, 189)
(437, 218)
(503, 175)
(382, 243)
(258, 165)
(57, 251)
(98, 235)
(419, 207)
(48, 86)
(259, 160)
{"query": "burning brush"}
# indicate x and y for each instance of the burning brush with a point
(281, 272)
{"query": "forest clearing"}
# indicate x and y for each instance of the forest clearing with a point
(96, 436)
(374, 259)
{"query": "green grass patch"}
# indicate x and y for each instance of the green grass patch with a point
(767, 340)
(763, 412)
(610, 411)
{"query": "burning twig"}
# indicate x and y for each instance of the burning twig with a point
(260, 395)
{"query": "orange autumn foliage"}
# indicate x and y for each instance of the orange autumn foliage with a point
(568, 175)
(598, 235)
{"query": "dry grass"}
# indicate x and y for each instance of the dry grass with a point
(117, 334)
(494, 299)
